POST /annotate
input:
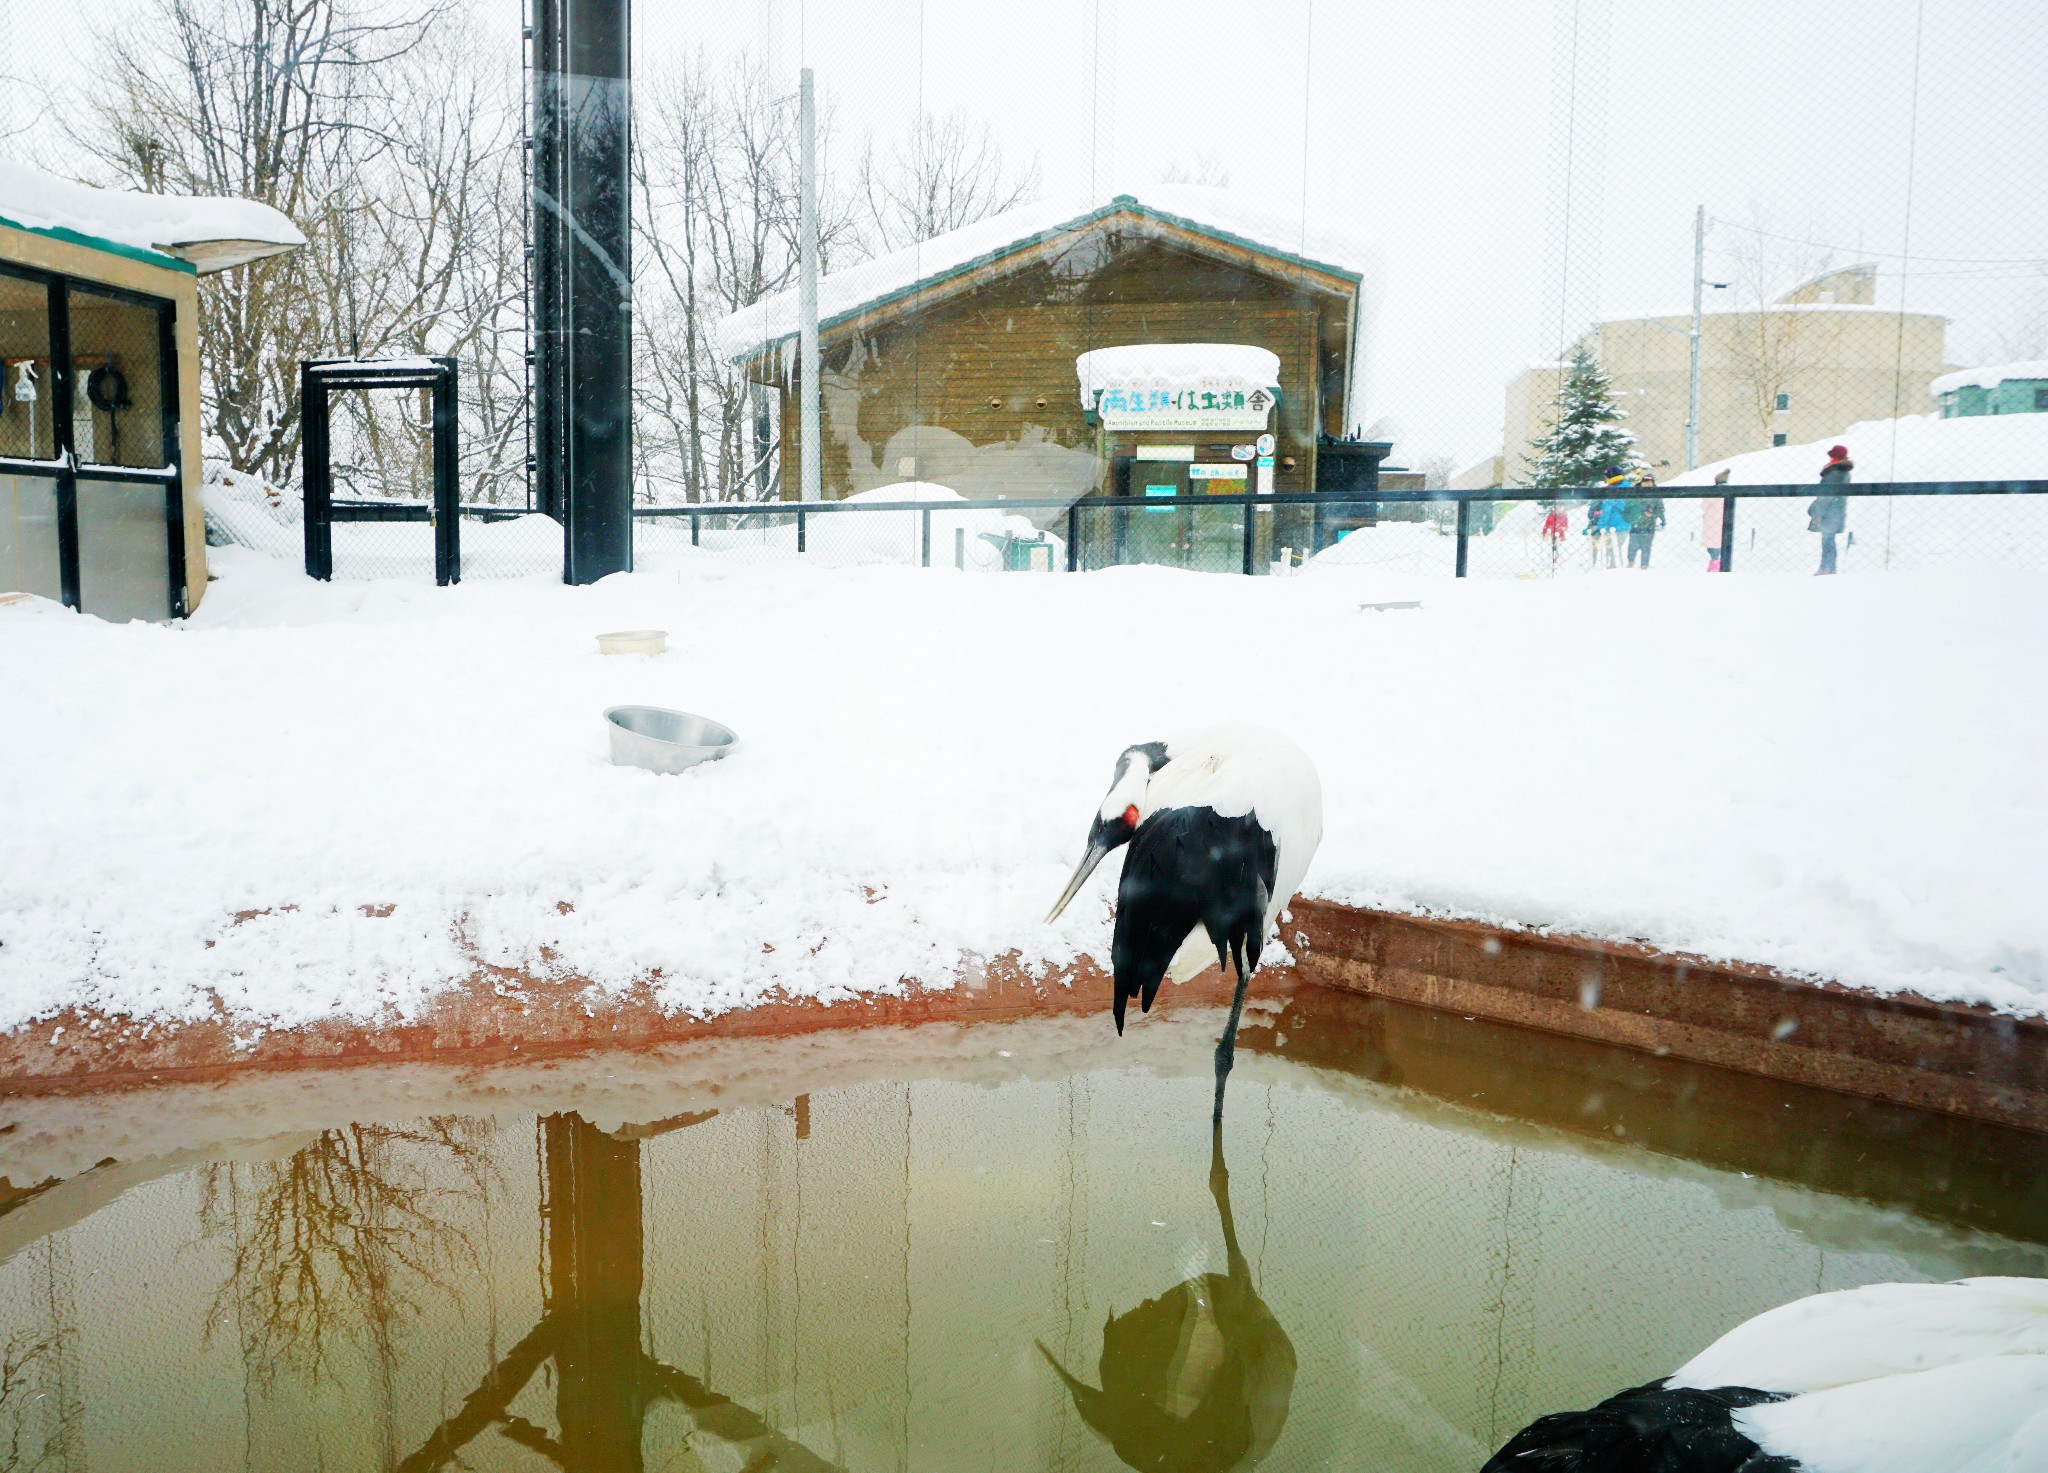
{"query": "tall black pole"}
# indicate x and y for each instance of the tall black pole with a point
(582, 280)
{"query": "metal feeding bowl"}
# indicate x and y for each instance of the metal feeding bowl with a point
(661, 740)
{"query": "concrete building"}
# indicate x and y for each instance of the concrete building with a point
(1478, 476)
(1821, 357)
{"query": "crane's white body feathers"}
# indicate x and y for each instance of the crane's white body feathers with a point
(1235, 770)
(1987, 1415)
(1861, 1335)
(1895, 1378)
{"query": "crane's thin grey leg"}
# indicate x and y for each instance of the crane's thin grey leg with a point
(1226, 1048)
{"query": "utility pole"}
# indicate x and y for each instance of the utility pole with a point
(1692, 384)
(1692, 336)
(813, 459)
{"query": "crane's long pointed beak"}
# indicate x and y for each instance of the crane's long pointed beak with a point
(1086, 868)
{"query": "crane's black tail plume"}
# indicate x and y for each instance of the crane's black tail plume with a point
(1649, 1429)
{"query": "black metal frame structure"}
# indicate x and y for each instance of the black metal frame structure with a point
(63, 465)
(1325, 502)
(318, 379)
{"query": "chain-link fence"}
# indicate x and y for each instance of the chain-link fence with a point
(1036, 276)
(980, 244)
(382, 475)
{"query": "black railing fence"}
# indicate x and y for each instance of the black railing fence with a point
(1492, 532)
(1517, 532)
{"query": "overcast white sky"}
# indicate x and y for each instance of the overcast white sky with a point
(1428, 125)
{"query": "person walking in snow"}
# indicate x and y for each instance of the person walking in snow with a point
(1608, 519)
(1826, 514)
(1645, 516)
(1554, 527)
(1711, 510)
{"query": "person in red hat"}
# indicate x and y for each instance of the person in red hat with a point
(1826, 514)
(1554, 528)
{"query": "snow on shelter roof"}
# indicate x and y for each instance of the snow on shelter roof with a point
(182, 232)
(1173, 363)
(1287, 235)
(1990, 376)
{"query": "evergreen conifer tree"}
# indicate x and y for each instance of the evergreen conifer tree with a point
(1587, 436)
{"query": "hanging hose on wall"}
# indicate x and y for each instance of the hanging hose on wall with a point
(107, 389)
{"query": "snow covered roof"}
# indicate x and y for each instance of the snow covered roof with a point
(1990, 376)
(183, 232)
(1735, 309)
(1286, 234)
(1174, 363)
(1920, 447)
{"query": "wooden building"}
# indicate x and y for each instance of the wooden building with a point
(977, 360)
(99, 387)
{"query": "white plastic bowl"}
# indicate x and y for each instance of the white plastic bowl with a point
(633, 642)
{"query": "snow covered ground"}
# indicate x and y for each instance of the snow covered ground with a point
(314, 800)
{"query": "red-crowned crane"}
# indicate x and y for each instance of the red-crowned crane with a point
(1891, 1378)
(1222, 823)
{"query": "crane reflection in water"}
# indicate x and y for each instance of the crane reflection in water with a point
(1198, 1379)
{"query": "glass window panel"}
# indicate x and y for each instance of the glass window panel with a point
(25, 368)
(124, 556)
(117, 413)
(28, 536)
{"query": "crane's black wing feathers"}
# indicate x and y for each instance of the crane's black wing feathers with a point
(1188, 867)
(1648, 1429)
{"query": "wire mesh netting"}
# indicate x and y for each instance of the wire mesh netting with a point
(471, 1287)
(1750, 279)
(1282, 290)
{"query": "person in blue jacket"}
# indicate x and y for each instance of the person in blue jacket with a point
(1608, 519)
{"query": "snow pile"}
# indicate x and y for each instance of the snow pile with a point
(849, 539)
(1919, 447)
(1425, 547)
(1988, 377)
(1173, 363)
(244, 510)
(351, 790)
(193, 227)
(1245, 217)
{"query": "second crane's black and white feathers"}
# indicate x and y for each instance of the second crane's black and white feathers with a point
(1188, 868)
(1888, 1378)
